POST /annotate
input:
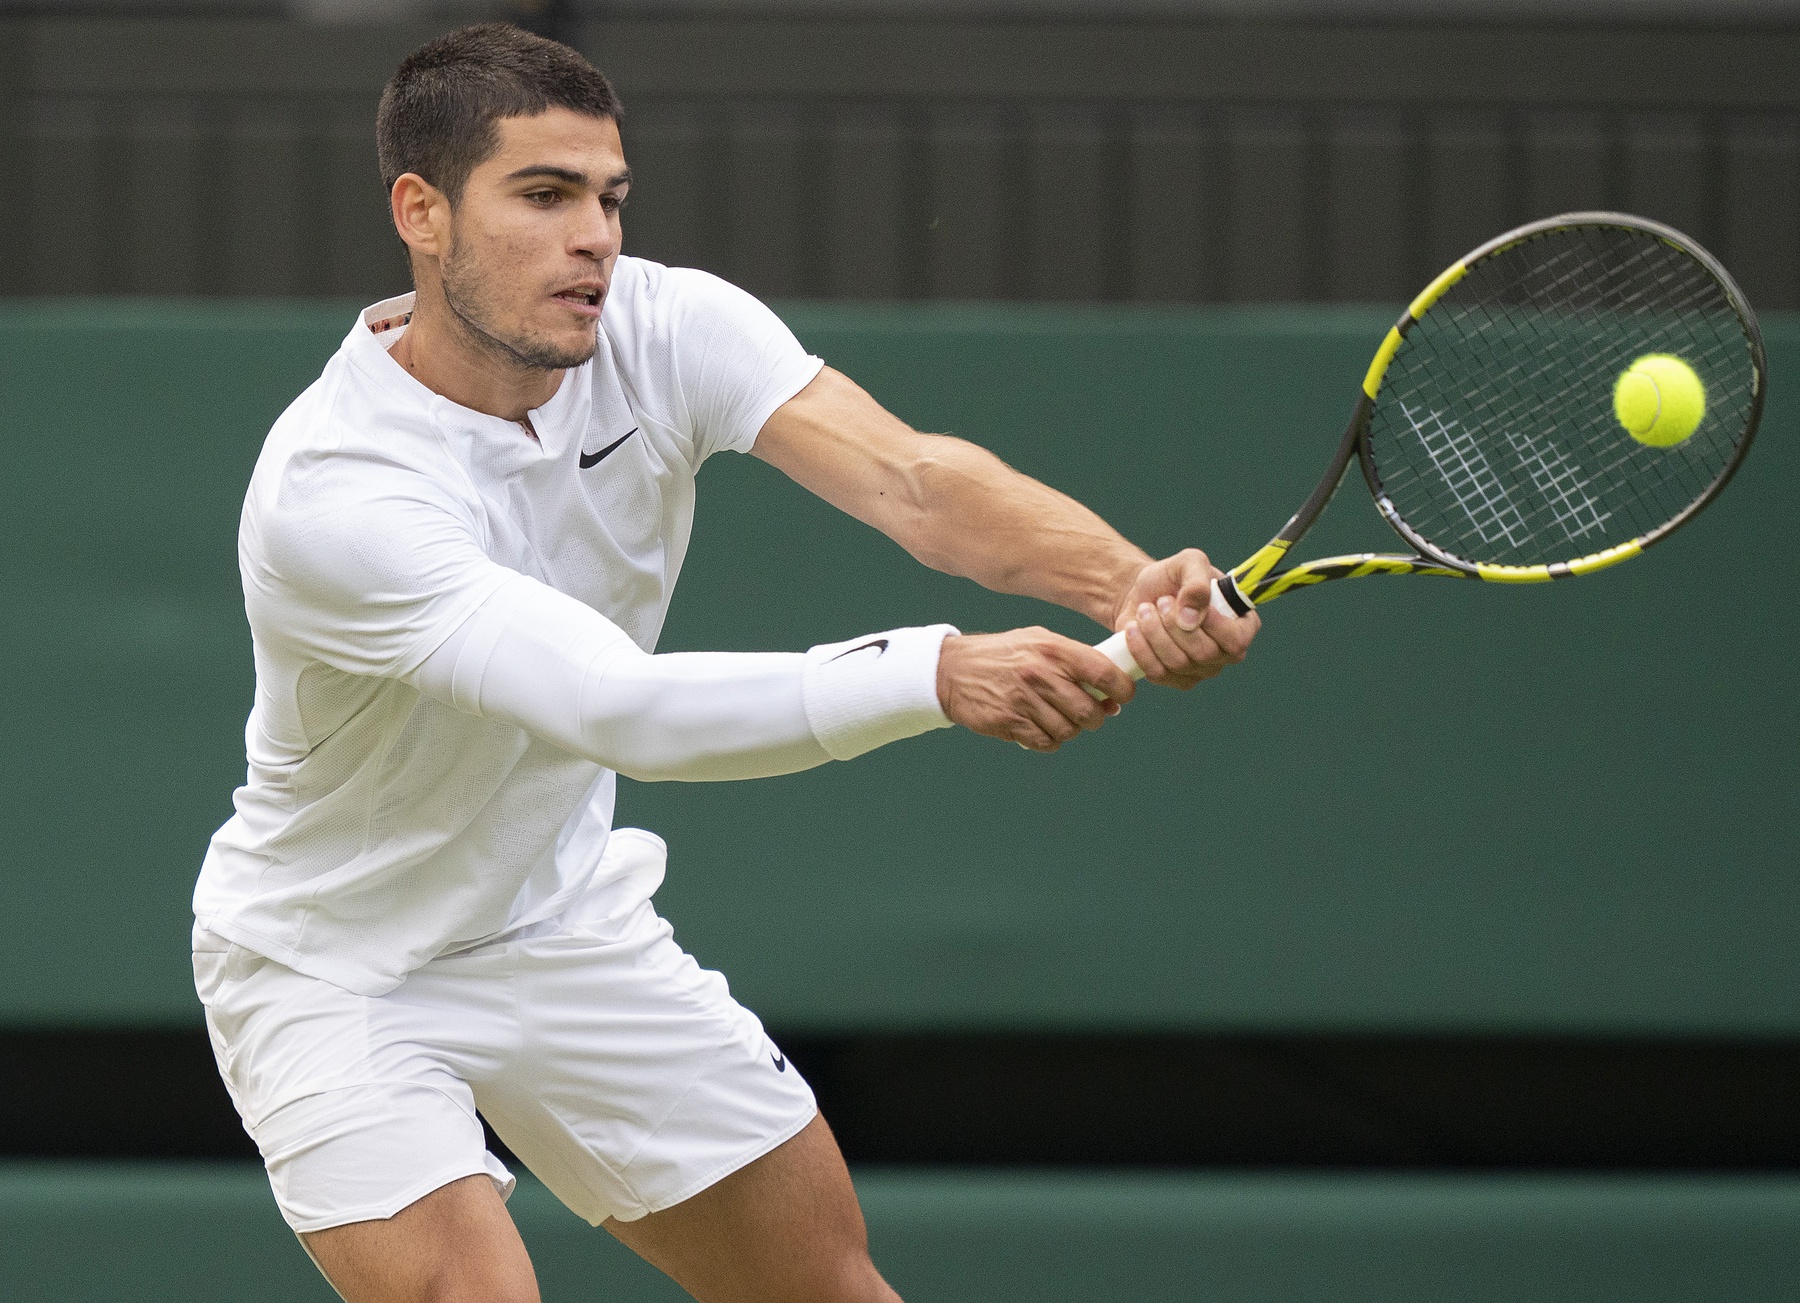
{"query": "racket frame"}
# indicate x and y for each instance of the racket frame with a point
(1257, 577)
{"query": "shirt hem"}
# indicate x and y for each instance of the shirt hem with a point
(357, 981)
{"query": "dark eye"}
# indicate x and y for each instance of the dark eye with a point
(612, 203)
(542, 198)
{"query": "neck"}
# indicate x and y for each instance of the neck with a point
(449, 356)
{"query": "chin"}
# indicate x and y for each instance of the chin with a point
(576, 355)
(557, 354)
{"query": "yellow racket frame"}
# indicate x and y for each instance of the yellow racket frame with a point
(1258, 578)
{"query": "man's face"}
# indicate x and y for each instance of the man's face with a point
(534, 237)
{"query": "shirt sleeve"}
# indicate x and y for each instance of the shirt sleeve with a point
(734, 361)
(544, 662)
(364, 564)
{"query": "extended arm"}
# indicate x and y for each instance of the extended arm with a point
(544, 662)
(958, 508)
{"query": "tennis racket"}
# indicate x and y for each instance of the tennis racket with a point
(1487, 428)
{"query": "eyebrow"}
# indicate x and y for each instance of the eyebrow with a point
(567, 175)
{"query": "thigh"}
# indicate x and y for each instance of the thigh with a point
(456, 1245)
(784, 1229)
(638, 1081)
(358, 1104)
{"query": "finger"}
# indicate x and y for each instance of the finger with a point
(1144, 654)
(1203, 659)
(1232, 633)
(1163, 675)
(1195, 596)
(1039, 696)
(1094, 669)
(1074, 703)
(1047, 713)
(1018, 721)
(1207, 654)
(1025, 717)
(1183, 655)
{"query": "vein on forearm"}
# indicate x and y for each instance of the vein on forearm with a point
(964, 511)
(953, 505)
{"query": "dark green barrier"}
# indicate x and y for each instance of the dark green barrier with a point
(1420, 805)
(197, 1234)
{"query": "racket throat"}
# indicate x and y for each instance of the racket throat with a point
(1257, 573)
(1359, 565)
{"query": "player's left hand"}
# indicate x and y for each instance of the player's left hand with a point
(1171, 626)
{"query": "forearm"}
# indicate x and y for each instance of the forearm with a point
(972, 515)
(543, 662)
(954, 506)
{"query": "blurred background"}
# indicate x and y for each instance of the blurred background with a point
(1196, 151)
(1444, 950)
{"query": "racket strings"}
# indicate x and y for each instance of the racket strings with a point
(1531, 386)
(1494, 433)
(1462, 463)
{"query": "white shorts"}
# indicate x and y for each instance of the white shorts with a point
(619, 1071)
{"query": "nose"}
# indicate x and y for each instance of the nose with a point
(597, 234)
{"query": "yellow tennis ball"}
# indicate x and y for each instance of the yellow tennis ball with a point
(1659, 400)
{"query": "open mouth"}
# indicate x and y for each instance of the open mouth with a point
(581, 296)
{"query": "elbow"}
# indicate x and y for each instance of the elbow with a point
(638, 759)
(673, 758)
(714, 764)
(942, 479)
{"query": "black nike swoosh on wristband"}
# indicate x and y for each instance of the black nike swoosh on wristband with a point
(595, 458)
(879, 644)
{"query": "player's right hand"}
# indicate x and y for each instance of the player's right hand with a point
(1026, 686)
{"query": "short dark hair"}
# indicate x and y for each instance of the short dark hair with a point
(437, 116)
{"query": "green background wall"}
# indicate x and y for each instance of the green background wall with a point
(1418, 806)
(197, 1233)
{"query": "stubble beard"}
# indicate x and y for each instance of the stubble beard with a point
(465, 294)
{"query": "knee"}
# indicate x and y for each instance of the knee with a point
(424, 1273)
(855, 1280)
(482, 1287)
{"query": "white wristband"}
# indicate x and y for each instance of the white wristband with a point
(867, 692)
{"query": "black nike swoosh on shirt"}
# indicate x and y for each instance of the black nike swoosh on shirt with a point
(780, 1060)
(595, 458)
(879, 644)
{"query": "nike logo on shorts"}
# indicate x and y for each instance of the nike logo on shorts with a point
(595, 458)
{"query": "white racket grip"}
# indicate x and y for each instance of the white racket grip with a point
(1228, 601)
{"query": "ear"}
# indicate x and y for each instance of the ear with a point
(421, 215)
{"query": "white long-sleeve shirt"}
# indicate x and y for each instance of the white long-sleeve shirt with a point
(453, 625)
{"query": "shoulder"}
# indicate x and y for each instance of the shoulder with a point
(647, 298)
(684, 323)
(345, 464)
(354, 414)
(710, 355)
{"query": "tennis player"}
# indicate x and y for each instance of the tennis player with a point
(457, 551)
